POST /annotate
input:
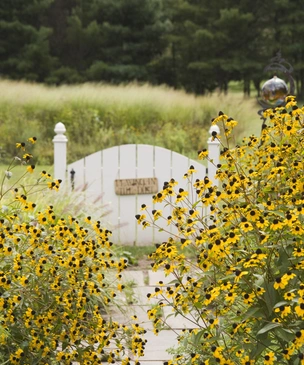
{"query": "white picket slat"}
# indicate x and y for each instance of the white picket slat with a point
(110, 172)
(200, 174)
(163, 171)
(162, 163)
(93, 176)
(145, 168)
(180, 165)
(127, 203)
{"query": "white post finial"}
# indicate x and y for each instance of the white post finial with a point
(60, 152)
(213, 153)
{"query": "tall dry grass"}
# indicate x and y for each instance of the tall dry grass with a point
(99, 115)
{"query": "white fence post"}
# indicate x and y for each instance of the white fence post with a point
(60, 152)
(213, 153)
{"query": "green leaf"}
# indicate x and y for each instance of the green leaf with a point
(198, 337)
(279, 213)
(279, 304)
(262, 343)
(285, 334)
(271, 296)
(195, 204)
(198, 305)
(253, 312)
(269, 327)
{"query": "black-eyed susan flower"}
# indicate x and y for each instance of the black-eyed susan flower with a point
(27, 156)
(202, 154)
(182, 194)
(156, 214)
(289, 295)
(20, 145)
(159, 197)
(269, 358)
(299, 309)
(239, 274)
(30, 169)
(288, 352)
(280, 283)
(32, 140)
(283, 310)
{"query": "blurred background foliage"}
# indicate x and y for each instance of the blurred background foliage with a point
(197, 45)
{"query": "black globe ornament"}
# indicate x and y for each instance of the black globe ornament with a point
(274, 92)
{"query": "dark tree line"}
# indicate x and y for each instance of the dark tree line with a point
(198, 45)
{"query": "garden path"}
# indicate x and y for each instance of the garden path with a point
(142, 283)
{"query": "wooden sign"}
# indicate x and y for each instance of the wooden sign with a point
(136, 186)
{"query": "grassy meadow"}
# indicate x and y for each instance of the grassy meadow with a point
(99, 116)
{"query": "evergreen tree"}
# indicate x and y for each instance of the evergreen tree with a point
(24, 41)
(130, 37)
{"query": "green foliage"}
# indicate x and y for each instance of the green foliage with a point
(243, 294)
(24, 44)
(58, 278)
(195, 45)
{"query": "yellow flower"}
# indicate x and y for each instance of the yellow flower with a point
(27, 156)
(269, 358)
(247, 361)
(276, 224)
(280, 283)
(230, 297)
(30, 169)
(32, 140)
(299, 309)
(159, 197)
(181, 195)
(20, 145)
(213, 322)
(46, 175)
(143, 207)
(140, 218)
(202, 154)
(289, 295)
(191, 170)
(284, 310)
(145, 224)
(156, 214)
(239, 274)
(288, 352)
(248, 298)
(54, 185)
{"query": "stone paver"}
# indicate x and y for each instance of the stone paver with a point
(156, 276)
(136, 277)
(180, 322)
(156, 347)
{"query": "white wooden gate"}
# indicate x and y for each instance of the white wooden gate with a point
(98, 172)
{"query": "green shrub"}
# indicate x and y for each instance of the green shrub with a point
(243, 294)
(59, 277)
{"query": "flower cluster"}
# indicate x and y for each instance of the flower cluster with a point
(59, 278)
(236, 249)
(24, 158)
